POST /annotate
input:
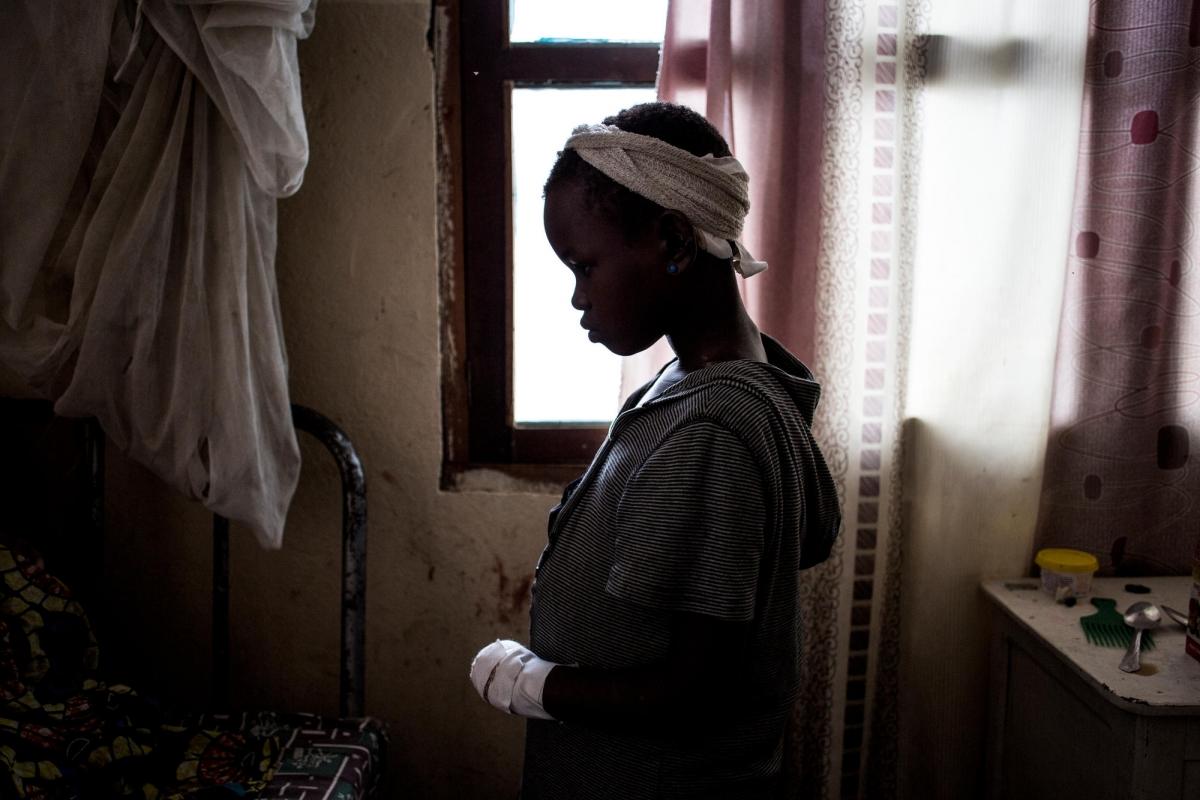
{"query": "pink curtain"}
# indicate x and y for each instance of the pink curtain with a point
(756, 70)
(1121, 480)
(798, 87)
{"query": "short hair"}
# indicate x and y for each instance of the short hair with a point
(674, 124)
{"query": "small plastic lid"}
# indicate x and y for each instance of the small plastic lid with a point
(1060, 559)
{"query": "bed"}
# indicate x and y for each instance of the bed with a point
(65, 732)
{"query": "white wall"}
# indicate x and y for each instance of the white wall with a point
(1000, 128)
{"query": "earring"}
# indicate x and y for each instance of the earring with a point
(672, 267)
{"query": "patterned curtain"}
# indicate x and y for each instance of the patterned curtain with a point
(1120, 480)
(820, 101)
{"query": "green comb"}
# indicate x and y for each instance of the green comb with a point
(1107, 628)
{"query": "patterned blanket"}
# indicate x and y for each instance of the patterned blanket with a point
(65, 734)
(323, 759)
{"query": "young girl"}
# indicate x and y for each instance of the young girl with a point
(664, 650)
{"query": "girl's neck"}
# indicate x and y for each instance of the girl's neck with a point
(715, 327)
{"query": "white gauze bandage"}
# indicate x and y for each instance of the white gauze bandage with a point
(713, 193)
(511, 678)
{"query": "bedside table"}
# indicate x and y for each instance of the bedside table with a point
(1065, 722)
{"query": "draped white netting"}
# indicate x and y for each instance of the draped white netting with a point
(144, 147)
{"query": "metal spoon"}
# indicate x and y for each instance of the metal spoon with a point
(1141, 617)
(1178, 616)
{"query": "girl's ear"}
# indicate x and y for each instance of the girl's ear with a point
(678, 239)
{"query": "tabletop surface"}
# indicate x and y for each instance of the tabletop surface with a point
(1169, 681)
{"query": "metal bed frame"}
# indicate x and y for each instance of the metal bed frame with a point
(354, 570)
(354, 558)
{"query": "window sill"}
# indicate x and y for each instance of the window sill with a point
(509, 478)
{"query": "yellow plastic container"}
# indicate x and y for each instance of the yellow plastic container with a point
(1066, 572)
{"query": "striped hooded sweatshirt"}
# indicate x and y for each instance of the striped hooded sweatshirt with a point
(708, 499)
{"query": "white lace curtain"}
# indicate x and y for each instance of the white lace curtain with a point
(144, 147)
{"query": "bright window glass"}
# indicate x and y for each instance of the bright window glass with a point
(558, 374)
(577, 21)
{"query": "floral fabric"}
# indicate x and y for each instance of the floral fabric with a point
(64, 733)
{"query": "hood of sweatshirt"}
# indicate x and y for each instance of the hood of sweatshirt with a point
(789, 387)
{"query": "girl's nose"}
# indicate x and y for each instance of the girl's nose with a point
(578, 298)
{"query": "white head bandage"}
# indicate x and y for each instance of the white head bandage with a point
(713, 193)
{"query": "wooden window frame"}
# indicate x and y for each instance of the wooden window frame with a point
(478, 69)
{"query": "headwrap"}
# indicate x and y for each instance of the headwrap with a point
(713, 193)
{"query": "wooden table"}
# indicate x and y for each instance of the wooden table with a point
(1064, 721)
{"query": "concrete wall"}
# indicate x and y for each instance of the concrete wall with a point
(358, 277)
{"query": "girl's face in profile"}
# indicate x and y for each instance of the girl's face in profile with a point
(620, 283)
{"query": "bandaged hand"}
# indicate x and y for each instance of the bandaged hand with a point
(510, 677)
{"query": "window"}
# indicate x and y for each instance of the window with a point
(509, 102)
